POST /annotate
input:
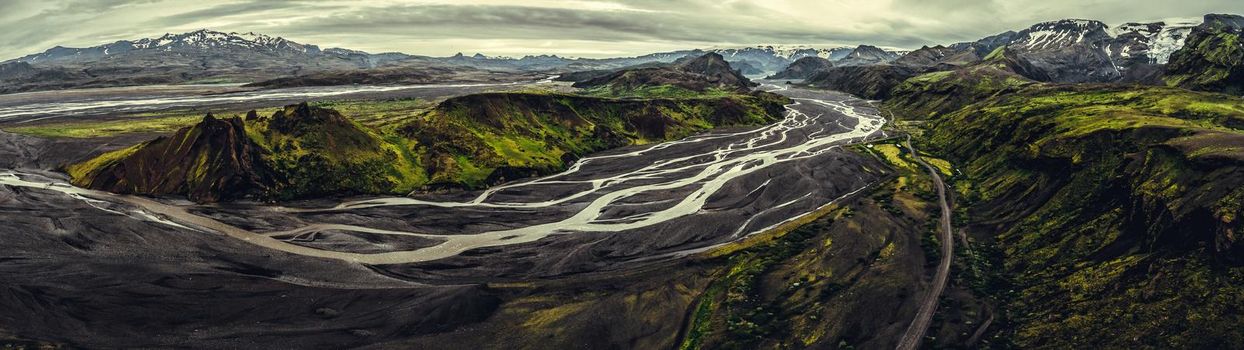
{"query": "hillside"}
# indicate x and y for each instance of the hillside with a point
(406, 73)
(297, 152)
(197, 56)
(1114, 210)
(873, 82)
(465, 142)
(1213, 58)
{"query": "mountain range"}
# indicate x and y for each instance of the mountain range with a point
(1072, 50)
(212, 56)
(1069, 185)
(1063, 51)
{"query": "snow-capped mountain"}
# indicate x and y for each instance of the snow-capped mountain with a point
(1129, 43)
(1121, 48)
(202, 55)
(775, 57)
(1056, 35)
(200, 40)
(1153, 42)
(793, 53)
(206, 39)
(867, 55)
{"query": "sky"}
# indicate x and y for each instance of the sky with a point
(574, 28)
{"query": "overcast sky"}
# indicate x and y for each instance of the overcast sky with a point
(586, 28)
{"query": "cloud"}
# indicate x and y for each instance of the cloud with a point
(569, 27)
(223, 10)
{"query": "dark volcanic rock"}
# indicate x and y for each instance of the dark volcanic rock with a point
(872, 82)
(137, 283)
(713, 66)
(15, 70)
(1077, 63)
(1055, 35)
(692, 73)
(867, 55)
(938, 58)
(1131, 45)
(803, 68)
(1213, 57)
(1066, 51)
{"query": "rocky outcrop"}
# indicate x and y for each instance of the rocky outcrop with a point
(803, 68)
(207, 162)
(16, 70)
(1213, 57)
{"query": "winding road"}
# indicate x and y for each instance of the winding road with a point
(667, 199)
(924, 315)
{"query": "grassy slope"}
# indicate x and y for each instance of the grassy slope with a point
(1114, 207)
(327, 159)
(1212, 60)
(466, 140)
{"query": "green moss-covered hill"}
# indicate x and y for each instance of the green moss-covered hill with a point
(480, 139)
(1118, 210)
(298, 151)
(1212, 58)
(465, 142)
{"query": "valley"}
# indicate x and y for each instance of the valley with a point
(1067, 184)
(693, 180)
(601, 213)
